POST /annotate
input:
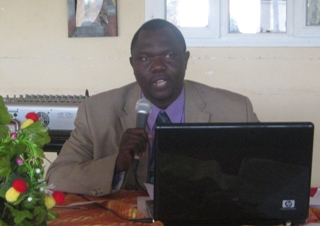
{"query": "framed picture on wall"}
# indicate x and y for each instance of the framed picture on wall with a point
(92, 18)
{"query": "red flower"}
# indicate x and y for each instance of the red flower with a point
(33, 116)
(20, 185)
(58, 197)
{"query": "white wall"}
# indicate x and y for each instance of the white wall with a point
(37, 57)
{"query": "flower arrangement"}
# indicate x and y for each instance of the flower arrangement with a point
(25, 197)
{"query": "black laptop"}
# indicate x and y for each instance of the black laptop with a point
(232, 173)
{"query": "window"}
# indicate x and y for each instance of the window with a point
(313, 13)
(250, 23)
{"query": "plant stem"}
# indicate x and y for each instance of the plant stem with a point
(4, 210)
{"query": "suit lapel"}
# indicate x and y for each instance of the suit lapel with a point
(128, 118)
(194, 105)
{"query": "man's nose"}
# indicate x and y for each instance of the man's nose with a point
(158, 64)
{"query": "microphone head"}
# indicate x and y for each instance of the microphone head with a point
(143, 106)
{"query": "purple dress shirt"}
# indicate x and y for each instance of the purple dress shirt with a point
(175, 111)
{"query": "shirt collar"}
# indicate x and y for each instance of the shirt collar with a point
(175, 111)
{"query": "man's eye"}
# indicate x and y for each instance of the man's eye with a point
(170, 55)
(145, 58)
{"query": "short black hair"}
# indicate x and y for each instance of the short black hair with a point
(157, 24)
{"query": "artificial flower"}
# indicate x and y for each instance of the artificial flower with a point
(49, 189)
(58, 197)
(13, 135)
(12, 194)
(19, 161)
(20, 185)
(49, 201)
(21, 171)
(26, 123)
(31, 117)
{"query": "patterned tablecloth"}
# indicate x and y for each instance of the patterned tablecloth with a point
(314, 215)
(123, 203)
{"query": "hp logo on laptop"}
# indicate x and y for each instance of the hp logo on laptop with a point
(288, 203)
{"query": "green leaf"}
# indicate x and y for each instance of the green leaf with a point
(22, 169)
(2, 223)
(10, 207)
(19, 148)
(20, 215)
(4, 131)
(3, 189)
(40, 213)
(38, 134)
(5, 117)
(19, 199)
(39, 152)
(28, 205)
(26, 223)
(52, 215)
(5, 167)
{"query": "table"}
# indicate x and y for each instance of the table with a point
(314, 215)
(122, 202)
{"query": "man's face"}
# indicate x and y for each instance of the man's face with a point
(159, 64)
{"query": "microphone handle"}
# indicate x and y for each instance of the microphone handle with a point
(141, 123)
(141, 120)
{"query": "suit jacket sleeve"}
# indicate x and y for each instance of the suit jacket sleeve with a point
(86, 162)
(76, 169)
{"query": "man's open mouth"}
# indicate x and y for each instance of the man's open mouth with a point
(160, 83)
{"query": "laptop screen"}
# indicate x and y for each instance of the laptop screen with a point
(232, 173)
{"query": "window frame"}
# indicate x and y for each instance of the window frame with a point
(216, 34)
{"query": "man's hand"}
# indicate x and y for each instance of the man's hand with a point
(133, 142)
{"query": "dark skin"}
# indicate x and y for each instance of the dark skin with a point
(159, 63)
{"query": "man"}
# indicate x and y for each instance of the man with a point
(98, 156)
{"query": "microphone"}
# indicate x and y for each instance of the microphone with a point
(143, 109)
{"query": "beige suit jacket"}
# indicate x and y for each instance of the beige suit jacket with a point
(86, 162)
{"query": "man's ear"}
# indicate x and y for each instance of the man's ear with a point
(130, 59)
(186, 57)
